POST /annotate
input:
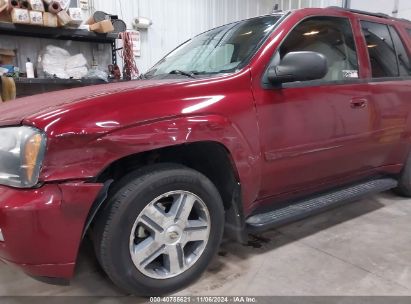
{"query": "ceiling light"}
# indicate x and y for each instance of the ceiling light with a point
(312, 33)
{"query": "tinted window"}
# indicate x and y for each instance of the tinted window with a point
(330, 36)
(402, 54)
(381, 50)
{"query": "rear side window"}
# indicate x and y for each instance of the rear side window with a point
(380, 49)
(387, 53)
(402, 54)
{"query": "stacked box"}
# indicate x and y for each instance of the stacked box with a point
(36, 18)
(102, 27)
(76, 16)
(63, 18)
(37, 5)
(21, 16)
(50, 20)
(50, 13)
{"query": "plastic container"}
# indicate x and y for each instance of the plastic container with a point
(29, 68)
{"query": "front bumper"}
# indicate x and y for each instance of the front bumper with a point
(42, 228)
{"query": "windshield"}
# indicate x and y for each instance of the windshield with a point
(222, 50)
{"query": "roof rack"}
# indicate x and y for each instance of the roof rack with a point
(379, 15)
(405, 20)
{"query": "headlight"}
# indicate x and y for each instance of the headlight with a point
(21, 156)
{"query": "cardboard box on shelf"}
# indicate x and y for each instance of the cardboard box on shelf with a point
(20, 16)
(63, 18)
(36, 18)
(36, 5)
(7, 56)
(50, 20)
(102, 27)
(76, 16)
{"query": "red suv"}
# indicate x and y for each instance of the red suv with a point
(243, 128)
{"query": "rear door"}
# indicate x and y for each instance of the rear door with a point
(317, 133)
(390, 88)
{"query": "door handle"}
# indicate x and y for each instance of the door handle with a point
(359, 103)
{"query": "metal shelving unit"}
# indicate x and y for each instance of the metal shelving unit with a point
(27, 87)
(12, 29)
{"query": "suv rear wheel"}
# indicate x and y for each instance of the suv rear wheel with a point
(160, 230)
(404, 182)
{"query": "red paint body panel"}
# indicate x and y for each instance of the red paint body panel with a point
(42, 228)
(283, 142)
(85, 137)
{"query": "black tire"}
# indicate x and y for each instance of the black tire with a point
(404, 182)
(115, 223)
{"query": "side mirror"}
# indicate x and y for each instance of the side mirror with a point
(299, 66)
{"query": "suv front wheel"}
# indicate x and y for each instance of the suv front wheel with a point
(159, 230)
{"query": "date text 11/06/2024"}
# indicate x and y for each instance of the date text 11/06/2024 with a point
(238, 299)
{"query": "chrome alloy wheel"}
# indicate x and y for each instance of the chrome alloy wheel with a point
(170, 235)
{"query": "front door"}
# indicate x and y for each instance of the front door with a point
(316, 132)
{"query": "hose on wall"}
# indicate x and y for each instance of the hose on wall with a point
(130, 66)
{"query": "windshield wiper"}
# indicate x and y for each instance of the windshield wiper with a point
(184, 73)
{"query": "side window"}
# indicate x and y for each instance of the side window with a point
(381, 50)
(330, 36)
(402, 54)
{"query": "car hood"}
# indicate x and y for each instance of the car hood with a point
(16, 111)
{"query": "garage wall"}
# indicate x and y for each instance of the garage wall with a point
(384, 6)
(175, 21)
(295, 4)
(380, 6)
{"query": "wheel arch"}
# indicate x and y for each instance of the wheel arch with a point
(210, 158)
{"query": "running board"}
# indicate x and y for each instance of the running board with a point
(305, 208)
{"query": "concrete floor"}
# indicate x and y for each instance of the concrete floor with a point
(363, 248)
